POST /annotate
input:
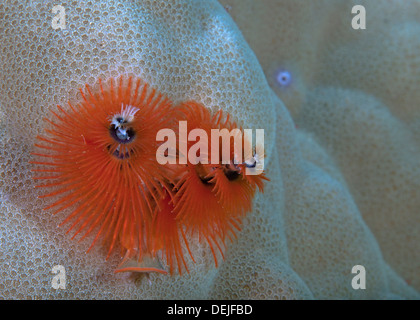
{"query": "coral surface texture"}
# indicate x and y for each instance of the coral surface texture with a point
(340, 108)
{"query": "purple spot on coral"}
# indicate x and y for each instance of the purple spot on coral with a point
(284, 78)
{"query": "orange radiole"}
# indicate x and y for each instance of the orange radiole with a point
(97, 162)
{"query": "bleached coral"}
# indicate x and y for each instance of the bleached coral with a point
(309, 228)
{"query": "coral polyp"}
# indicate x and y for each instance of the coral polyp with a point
(284, 78)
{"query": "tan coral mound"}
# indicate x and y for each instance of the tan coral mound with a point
(316, 219)
(356, 102)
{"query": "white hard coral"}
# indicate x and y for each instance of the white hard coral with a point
(325, 209)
